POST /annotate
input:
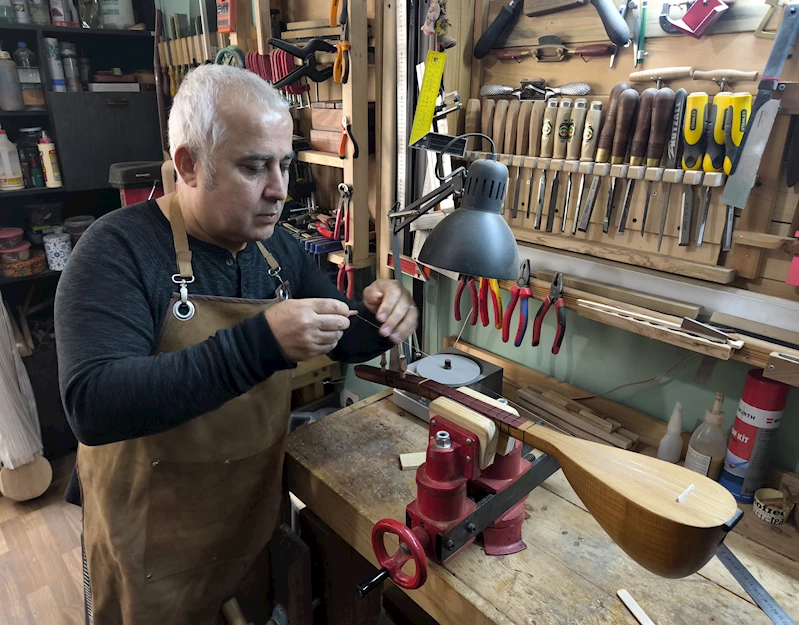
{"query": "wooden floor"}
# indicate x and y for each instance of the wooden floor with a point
(41, 575)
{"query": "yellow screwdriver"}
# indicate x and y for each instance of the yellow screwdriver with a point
(713, 160)
(735, 119)
(693, 151)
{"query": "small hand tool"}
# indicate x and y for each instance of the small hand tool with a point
(547, 149)
(491, 284)
(641, 51)
(555, 297)
(735, 120)
(627, 105)
(593, 124)
(463, 281)
(693, 151)
(506, 15)
(573, 151)
(661, 116)
(341, 66)
(334, 12)
(346, 132)
(604, 145)
(673, 153)
(519, 291)
(534, 147)
(552, 49)
(622, 8)
(643, 129)
(343, 211)
(309, 68)
(713, 160)
(522, 144)
(345, 280)
(561, 132)
(509, 147)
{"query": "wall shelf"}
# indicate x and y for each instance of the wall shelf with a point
(36, 276)
(315, 157)
(31, 191)
(69, 30)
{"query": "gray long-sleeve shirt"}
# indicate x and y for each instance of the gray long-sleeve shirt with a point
(113, 298)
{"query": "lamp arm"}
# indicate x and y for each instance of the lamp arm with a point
(421, 206)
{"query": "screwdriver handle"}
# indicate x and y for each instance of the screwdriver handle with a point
(547, 128)
(605, 142)
(628, 102)
(615, 26)
(728, 75)
(735, 122)
(511, 54)
(714, 139)
(694, 131)
(643, 123)
(659, 128)
(576, 129)
(595, 50)
(536, 119)
(665, 73)
(562, 123)
(674, 149)
(593, 122)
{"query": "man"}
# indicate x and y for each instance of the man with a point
(178, 322)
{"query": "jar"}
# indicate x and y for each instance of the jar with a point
(10, 89)
(10, 238)
(19, 269)
(76, 226)
(29, 78)
(40, 12)
(58, 247)
(15, 254)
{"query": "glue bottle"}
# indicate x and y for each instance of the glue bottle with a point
(52, 174)
(708, 443)
(670, 448)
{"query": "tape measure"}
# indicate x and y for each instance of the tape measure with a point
(428, 94)
(759, 594)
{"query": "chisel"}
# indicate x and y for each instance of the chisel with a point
(547, 148)
(628, 102)
(735, 120)
(713, 160)
(511, 124)
(487, 122)
(593, 124)
(693, 151)
(623, 12)
(638, 147)
(673, 153)
(573, 151)
(522, 143)
(604, 146)
(562, 123)
(661, 116)
(534, 148)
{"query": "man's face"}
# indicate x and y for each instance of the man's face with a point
(250, 182)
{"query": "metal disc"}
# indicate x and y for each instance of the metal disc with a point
(463, 370)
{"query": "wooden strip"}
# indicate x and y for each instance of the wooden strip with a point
(632, 605)
(412, 461)
(764, 241)
(782, 368)
(772, 332)
(577, 408)
(535, 413)
(308, 24)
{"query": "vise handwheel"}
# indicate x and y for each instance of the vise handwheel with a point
(411, 547)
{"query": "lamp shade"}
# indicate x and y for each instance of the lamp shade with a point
(475, 240)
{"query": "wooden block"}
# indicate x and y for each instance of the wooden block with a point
(619, 171)
(535, 413)
(753, 327)
(530, 162)
(325, 140)
(713, 179)
(635, 172)
(412, 461)
(783, 368)
(556, 164)
(543, 163)
(693, 177)
(575, 408)
(571, 166)
(654, 173)
(629, 434)
(673, 175)
(601, 169)
(586, 168)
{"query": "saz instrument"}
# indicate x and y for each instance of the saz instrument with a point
(668, 519)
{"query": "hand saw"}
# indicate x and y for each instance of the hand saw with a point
(764, 112)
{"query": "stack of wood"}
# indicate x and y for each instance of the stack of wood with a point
(572, 417)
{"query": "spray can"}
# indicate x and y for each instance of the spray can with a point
(54, 61)
(753, 434)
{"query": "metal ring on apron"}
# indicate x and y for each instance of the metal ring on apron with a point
(183, 304)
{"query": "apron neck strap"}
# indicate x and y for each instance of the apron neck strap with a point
(180, 239)
(271, 260)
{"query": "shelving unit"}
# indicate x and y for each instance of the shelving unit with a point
(37, 276)
(33, 191)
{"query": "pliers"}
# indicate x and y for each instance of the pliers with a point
(555, 297)
(496, 299)
(307, 53)
(463, 280)
(346, 132)
(345, 274)
(520, 290)
(343, 212)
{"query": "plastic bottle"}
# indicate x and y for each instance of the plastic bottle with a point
(6, 12)
(670, 448)
(52, 174)
(69, 59)
(10, 170)
(29, 78)
(53, 54)
(118, 14)
(10, 89)
(708, 443)
(21, 11)
(40, 12)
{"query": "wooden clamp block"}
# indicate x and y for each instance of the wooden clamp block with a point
(529, 162)
(655, 174)
(693, 177)
(556, 164)
(783, 368)
(619, 171)
(586, 168)
(571, 166)
(673, 176)
(713, 179)
(543, 163)
(504, 158)
(636, 172)
(602, 169)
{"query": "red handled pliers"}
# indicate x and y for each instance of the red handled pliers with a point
(496, 300)
(346, 133)
(555, 297)
(520, 290)
(345, 275)
(343, 211)
(463, 280)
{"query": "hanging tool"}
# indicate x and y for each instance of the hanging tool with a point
(486, 285)
(722, 77)
(343, 211)
(463, 281)
(773, 7)
(341, 66)
(535, 90)
(345, 280)
(673, 153)
(519, 291)
(346, 132)
(506, 15)
(522, 145)
(534, 147)
(713, 160)
(661, 116)
(509, 147)
(615, 26)
(693, 152)
(555, 297)
(334, 12)
(623, 13)
(562, 123)
(640, 142)
(573, 152)
(590, 134)
(547, 149)
(627, 105)
(604, 145)
(735, 120)
(551, 49)
(641, 50)
(635, 29)
(309, 68)
(699, 17)
(662, 75)
(764, 111)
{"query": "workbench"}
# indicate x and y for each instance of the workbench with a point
(345, 469)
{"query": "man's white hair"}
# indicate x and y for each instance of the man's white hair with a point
(194, 119)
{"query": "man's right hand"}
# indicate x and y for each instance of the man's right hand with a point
(306, 328)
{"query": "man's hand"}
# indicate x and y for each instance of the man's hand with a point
(394, 308)
(306, 328)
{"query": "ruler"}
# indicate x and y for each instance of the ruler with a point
(428, 95)
(759, 594)
(402, 100)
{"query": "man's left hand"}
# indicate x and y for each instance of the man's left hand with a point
(394, 308)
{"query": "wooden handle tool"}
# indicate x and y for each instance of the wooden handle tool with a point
(579, 112)
(548, 128)
(665, 73)
(523, 128)
(605, 142)
(714, 134)
(498, 132)
(594, 50)
(593, 124)
(487, 121)
(472, 122)
(536, 119)
(643, 128)
(511, 124)
(511, 54)
(725, 75)
(562, 123)
(627, 104)
(659, 128)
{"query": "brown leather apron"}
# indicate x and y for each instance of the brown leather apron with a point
(173, 521)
